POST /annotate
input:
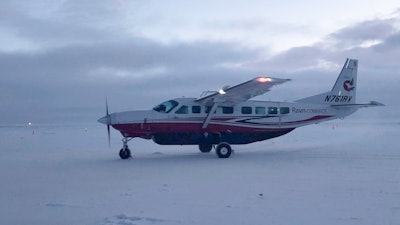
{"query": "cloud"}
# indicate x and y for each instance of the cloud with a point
(368, 30)
(315, 67)
(67, 23)
(74, 76)
(350, 41)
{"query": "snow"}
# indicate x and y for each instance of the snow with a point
(343, 172)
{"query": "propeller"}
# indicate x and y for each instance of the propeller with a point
(108, 124)
(106, 120)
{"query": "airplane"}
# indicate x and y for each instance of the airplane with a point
(228, 117)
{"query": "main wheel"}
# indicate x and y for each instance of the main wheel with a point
(223, 150)
(205, 147)
(125, 153)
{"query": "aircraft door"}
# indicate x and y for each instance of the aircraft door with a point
(273, 114)
(145, 124)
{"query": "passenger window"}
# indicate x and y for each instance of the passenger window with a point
(246, 110)
(284, 110)
(227, 110)
(196, 109)
(272, 110)
(208, 108)
(260, 110)
(182, 110)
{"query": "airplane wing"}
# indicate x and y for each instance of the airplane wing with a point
(231, 96)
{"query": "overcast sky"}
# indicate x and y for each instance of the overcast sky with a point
(59, 59)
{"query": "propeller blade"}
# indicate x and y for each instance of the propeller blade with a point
(107, 114)
(108, 124)
(109, 136)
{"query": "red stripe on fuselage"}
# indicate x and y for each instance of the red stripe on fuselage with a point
(298, 122)
(141, 130)
(195, 125)
(308, 120)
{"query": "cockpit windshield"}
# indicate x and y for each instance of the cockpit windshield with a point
(166, 107)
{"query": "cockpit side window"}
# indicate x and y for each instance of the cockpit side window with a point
(166, 107)
(196, 109)
(183, 110)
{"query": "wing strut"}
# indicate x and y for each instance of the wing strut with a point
(208, 118)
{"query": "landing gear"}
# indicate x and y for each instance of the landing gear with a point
(223, 150)
(125, 153)
(205, 147)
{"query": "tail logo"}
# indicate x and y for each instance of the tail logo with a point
(348, 85)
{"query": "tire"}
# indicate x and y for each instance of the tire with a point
(223, 150)
(125, 153)
(205, 147)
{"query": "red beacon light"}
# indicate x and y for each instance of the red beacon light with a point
(263, 79)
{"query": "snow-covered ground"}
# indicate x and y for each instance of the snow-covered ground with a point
(343, 172)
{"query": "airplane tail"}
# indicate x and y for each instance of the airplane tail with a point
(344, 90)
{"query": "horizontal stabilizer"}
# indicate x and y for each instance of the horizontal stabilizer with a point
(371, 104)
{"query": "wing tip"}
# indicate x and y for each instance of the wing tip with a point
(264, 79)
(375, 103)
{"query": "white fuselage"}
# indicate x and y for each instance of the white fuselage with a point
(183, 118)
(228, 116)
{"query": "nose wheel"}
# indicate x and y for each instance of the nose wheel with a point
(125, 152)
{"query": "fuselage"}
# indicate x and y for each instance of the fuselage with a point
(229, 116)
(180, 121)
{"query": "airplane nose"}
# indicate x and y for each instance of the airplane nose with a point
(104, 120)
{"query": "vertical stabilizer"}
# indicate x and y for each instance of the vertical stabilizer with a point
(344, 90)
(346, 83)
